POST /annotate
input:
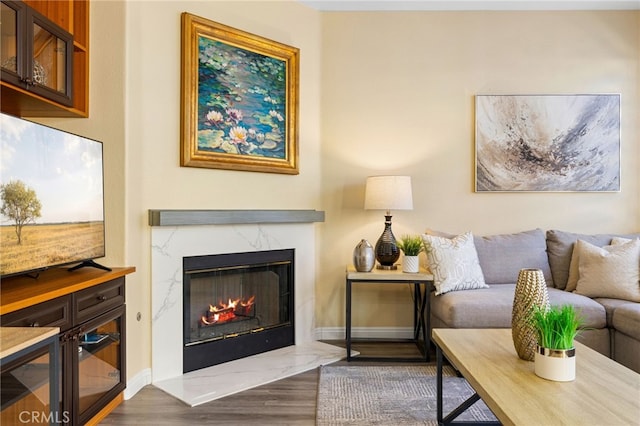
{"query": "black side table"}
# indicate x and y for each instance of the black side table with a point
(422, 285)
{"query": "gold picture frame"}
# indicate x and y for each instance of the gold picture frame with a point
(239, 99)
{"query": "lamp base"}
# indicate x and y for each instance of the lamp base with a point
(387, 251)
(387, 267)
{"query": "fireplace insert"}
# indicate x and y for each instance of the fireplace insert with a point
(237, 305)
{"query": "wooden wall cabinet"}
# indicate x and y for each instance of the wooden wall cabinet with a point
(91, 317)
(45, 58)
(36, 54)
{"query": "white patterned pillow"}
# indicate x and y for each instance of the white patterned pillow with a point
(453, 263)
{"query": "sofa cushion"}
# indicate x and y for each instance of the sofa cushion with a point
(492, 307)
(485, 308)
(626, 319)
(625, 351)
(610, 271)
(593, 313)
(560, 249)
(503, 256)
(453, 262)
(610, 305)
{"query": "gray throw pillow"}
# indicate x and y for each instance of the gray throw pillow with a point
(502, 256)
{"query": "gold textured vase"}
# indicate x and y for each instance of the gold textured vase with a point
(531, 290)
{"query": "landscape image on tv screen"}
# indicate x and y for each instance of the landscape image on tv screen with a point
(51, 197)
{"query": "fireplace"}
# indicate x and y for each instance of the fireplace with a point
(236, 305)
(177, 234)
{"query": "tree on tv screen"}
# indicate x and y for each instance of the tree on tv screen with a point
(20, 204)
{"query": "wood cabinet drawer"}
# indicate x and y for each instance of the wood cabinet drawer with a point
(97, 300)
(52, 313)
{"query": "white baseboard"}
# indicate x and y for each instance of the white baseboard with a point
(137, 382)
(338, 333)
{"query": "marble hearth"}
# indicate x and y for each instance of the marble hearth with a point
(177, 234)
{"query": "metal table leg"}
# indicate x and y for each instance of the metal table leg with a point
(420, 304)
(439, 384)
(348, 320)
(449, 419)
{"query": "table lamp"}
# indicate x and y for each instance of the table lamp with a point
(388, 193)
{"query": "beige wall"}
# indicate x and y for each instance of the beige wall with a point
(398, 98)
(380, 93)
(106, 116)
(155, 179)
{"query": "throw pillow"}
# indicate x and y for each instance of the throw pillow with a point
(502, 256)
(453, 263)
(572, 282)
(612, 271)
(560, 246)
(619, 240)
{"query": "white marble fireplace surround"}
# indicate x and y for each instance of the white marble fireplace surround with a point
(180, 233)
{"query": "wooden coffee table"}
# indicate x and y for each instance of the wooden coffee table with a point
(604, 392)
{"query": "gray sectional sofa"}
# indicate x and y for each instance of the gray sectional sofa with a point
(612, 324)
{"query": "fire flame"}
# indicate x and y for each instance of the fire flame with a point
(224, 312)
(248, 302)
(231, 304)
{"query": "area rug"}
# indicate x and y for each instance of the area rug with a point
(391, 395)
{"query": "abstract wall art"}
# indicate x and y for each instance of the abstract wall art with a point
(547, 143)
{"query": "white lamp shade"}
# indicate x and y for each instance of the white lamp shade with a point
(388, 193)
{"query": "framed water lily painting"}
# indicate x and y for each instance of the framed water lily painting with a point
(239, 99)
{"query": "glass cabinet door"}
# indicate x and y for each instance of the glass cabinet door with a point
(100, 355)
(50, 61)
(26, 392)
(9, 60)
(35, 54)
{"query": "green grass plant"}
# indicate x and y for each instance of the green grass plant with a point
(557, 326)
(411, 245)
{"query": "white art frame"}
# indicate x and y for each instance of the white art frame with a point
(539, 143)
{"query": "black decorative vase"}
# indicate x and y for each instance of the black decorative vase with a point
(387, 251)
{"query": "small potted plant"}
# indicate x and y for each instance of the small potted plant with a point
(556, 329)
(411, 246)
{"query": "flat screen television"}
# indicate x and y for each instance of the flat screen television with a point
(51, 198)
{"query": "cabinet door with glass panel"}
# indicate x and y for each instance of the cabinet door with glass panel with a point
(27, 392)
(35, 54)
(100, 374)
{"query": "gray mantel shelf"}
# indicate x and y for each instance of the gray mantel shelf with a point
(231, 217)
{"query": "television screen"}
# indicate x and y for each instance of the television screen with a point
(51, 197)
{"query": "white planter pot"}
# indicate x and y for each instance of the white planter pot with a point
(555, 364)
(411, 264)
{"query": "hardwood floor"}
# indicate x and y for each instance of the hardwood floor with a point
(290, 401)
